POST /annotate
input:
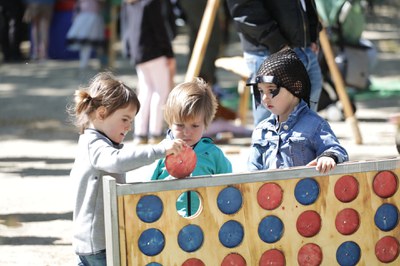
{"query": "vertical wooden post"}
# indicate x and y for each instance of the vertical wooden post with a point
(340, 86)
(202, 39)
(111, 221)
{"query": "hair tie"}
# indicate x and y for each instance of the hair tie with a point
(87, 99)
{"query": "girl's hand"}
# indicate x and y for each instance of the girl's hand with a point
(323, 164)
(173, 146)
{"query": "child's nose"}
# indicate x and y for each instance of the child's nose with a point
(186, 131)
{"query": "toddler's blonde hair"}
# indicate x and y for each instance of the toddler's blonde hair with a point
(189, 100)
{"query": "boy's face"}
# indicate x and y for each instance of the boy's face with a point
(278, 100)
(190, 130)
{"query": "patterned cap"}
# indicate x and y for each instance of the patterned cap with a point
(288, 72)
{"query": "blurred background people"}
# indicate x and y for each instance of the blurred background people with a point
(11, 29)
(39, 14)
(266, 27)
(146, 40)
(87, 30)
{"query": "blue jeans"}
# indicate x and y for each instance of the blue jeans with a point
(310, 61)
(98, 259)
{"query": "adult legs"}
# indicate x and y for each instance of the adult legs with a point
(154, 87)
(84, 55)
(44, 28)
(35, 38)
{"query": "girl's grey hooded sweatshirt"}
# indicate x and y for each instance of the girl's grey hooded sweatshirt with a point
(98, 156)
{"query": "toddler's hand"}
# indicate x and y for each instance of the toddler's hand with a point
(173, 146)
(323, 164)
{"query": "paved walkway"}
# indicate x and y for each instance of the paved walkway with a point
(37, 144)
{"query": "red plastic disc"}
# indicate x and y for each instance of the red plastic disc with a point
(272, 257)
(309, 255)
(233, 259)
(308, 223)
(387, 249)
(269, 196)
(346, 188)
(347, 221)
(193, 262)
(385, 184)
(181, 165)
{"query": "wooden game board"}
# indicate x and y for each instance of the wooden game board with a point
(294, 216)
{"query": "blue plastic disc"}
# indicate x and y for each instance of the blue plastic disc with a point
(270, 229)
(153, 264)
(151, 242)
(149, 208)
(306, 191)
(348, 253)
(229, 200)
(386, 217)
(190, 238)
(231, 234)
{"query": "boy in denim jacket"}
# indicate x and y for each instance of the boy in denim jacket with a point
(293, 135)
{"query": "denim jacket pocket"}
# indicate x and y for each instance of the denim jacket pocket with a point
(298, 150)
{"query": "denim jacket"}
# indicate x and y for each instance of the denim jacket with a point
(300, 139)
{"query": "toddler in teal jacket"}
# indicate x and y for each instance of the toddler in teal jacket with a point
(190, 108)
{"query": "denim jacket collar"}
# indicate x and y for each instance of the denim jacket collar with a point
(271, 122)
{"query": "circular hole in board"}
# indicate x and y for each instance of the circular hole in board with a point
(189, 204)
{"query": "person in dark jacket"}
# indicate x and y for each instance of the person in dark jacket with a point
(146, 41)
(267, 26)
